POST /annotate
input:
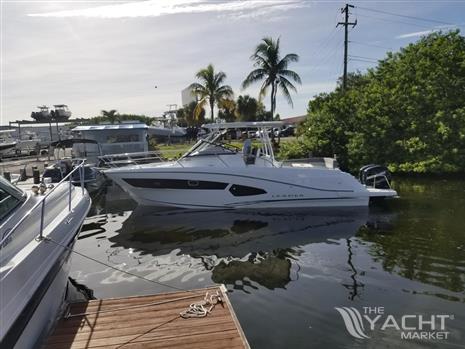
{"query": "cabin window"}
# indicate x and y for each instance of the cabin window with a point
(175, 184)
(243, 190)
(123, 138)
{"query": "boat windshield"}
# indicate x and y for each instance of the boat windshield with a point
(10, 197)
(212, 145)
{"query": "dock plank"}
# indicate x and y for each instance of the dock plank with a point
(149, 322)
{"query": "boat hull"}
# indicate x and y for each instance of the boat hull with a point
(206, 188)
(34, 271)
(48, 301)
(7, 148)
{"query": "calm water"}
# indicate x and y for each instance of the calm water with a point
(287, 271)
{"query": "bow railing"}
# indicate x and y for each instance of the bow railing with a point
(41, 203)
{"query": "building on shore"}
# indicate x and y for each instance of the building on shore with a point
(187, 96)
(295, 120)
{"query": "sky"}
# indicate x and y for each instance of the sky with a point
(136, 56)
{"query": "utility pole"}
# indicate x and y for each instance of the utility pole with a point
(346, 24)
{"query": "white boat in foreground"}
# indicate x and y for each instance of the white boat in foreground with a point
(38, 225)
(216, 175)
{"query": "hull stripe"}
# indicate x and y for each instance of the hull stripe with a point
(242, 176)
(245, 203)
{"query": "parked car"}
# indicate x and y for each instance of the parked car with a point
(275, 130)
(287, 131)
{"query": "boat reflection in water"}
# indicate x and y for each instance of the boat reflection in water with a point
(239, 245)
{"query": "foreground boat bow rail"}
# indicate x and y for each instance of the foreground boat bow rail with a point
(37, 226)
(217, 175)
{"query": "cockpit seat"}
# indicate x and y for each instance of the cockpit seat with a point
(249, 152)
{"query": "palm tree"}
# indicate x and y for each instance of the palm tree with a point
(246, 108)
(210, 89)
(272, 70)
(111, 115)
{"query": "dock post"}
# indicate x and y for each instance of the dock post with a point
(7, 175)
(36, 175)
(22, 174)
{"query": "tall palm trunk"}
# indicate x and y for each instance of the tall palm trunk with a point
(50, 129)
(273, 99)
(212, 107)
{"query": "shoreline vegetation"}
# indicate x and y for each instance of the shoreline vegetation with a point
(408, 113)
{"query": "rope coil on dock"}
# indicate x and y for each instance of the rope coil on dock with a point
(202, 308)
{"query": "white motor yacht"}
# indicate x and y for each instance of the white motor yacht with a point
(27, 143)
(7, 143)
(38, 226)
(217, 175)
(61, 112)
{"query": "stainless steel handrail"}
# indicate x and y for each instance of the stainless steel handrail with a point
(112, 159)
(375, 176)
(41, 203)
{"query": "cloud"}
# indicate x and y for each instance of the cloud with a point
(155, 8)
(426, 32)
(415, 34)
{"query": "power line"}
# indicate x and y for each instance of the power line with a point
(327, 56)
(404, 16)
(372, 45)
(325, 46)
(362, 60)
(394, 21)
(331, 51)
(354, 56)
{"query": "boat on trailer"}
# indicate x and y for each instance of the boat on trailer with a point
(38, 228)
(216, 175)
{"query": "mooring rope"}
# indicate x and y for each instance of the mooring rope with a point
(117, 269)
(68, 315)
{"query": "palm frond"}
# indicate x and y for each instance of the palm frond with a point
(224, 90)
(291, 57)
(288, 84)
(197, 89)
(291, 74)
(226, 103)
(219, 78)
(264, 89)
(262, 62)
(264, 46)
(285, 91)
(254, 76)
(199, 108)
(205, 74)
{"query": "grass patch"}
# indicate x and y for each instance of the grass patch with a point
(170, 151)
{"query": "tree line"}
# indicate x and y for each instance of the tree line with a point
(408, 112)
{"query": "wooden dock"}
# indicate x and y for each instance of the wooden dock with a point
(149, 322)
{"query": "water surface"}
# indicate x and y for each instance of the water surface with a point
(286, 271)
